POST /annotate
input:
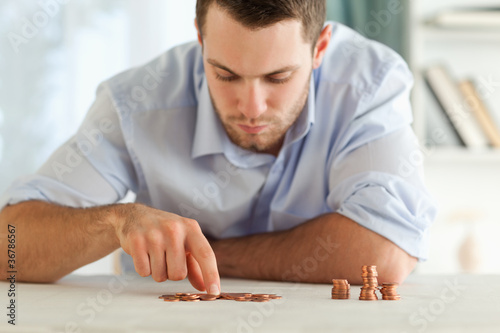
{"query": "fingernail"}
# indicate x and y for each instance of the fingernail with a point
(214, 290)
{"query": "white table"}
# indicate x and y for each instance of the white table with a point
(464, 303)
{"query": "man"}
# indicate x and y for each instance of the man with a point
(270, 149)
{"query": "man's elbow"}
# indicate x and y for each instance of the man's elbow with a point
(396, 267)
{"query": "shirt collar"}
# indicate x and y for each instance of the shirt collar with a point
(209, 132)
(210, 136)
(305, 120)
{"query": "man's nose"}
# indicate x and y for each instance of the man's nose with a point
(252, 101)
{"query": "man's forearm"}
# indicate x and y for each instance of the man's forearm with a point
(52, 241)
(330, 246)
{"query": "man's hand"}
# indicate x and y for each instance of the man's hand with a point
(57, 240)
(167, 246)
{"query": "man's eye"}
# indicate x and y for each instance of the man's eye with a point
(279, 79)
(225, 78)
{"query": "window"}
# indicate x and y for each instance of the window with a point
(53, 55)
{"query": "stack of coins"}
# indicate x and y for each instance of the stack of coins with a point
(389, 292)
(240, 297)
(341, 289)
(370, 283)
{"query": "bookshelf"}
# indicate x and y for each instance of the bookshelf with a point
(465, 182)
(466, 52)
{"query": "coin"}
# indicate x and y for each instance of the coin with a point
(208, 297)
(171, 299)
(391, 298)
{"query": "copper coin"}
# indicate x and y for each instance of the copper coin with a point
(368, 267)
(208, 298)
(191, 300)
(370, 279)
(182, 294)
(391, 298)
(226, 296)
(260, 295)
(260, 299)
(339, 281)
(341, 287)
(171, 299)
(275, 297)
(241, 298)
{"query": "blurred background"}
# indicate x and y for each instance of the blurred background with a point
(54, 53)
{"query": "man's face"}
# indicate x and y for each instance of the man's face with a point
(258, 80)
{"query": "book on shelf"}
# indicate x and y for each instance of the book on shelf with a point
(487, 17)
(439, 129)
(453, 103)
(481, 112)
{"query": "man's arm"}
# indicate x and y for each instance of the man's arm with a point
(327, 247)
(53, 240)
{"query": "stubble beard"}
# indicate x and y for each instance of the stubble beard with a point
(273, 137)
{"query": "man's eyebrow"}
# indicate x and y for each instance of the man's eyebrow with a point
(285, 69)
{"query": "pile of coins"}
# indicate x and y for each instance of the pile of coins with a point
(341, 289)
(239, 297)
(370, 283)
(389, 292)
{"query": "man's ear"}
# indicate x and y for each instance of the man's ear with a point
(322, 45)
(200, 39)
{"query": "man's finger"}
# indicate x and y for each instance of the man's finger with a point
(176, 260)
(202, 252)
(141, 259)
(194, 273)
(158, 264)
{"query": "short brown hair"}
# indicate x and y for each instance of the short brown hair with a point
(258, 14)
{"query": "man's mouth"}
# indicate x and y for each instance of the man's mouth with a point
(252, 129)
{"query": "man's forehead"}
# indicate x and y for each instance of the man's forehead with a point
(247, 52)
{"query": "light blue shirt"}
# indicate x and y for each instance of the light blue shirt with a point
(153, 131)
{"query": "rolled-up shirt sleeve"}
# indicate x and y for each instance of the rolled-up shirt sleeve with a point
(376, 172)
(92, 168)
